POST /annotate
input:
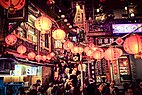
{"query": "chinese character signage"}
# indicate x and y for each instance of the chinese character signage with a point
(104, 40)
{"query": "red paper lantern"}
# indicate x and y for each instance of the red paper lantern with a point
(59, 34)
(48, 57)
(86, 49)
(43, 24)
(18, 4)
(50, 2)
(92, 46)
(21, 49)
(43, 58)
(31, 55)
(68, 45)
(120, 51)
(75, 49)
(112, 54)
(98, 54)
(89, 52)
(133, 44)
(102, 0)
(52, 54)
(38, 58)
(11, 39)
(80, 49)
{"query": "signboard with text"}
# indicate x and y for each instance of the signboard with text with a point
(104, 40)
(98, 29)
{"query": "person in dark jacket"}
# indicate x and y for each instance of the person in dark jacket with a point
(21, 91)
(10, 91)
(33, 91)
(92, 89)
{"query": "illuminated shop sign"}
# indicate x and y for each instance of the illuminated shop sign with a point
(104, 40)
(31, 70)
(21, 70)
(127, 28)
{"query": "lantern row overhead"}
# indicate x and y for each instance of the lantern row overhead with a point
(132, 45)
(93, 51)
(11, 39)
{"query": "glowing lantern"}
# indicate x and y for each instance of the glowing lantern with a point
(59, 34)
(31, 55)
(52, 54)
(48, 57)
(77, 49)
(102, 0)
(112, 53)
(11, 39)
(98, 54)
(133, 44)
(12, 5)
(120, 51)
(43, 58)
(38, 58)
(50, 2)
(86, 49)
(68, 45)
(74, 49)
(43, 24)
(89, 52)
(80, 49)
(92, 46)
(21, 49)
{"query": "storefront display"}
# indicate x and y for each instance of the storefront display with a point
(124, 69)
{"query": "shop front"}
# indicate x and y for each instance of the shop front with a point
(122, 70)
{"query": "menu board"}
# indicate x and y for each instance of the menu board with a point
(124, 69)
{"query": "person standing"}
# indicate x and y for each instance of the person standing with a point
(113, 90)
(33, 91)
(38, 83)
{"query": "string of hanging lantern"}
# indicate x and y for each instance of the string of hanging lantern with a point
(11, 40)
(128, 45)
(43, 24)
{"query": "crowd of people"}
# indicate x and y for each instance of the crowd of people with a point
(67, 81)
